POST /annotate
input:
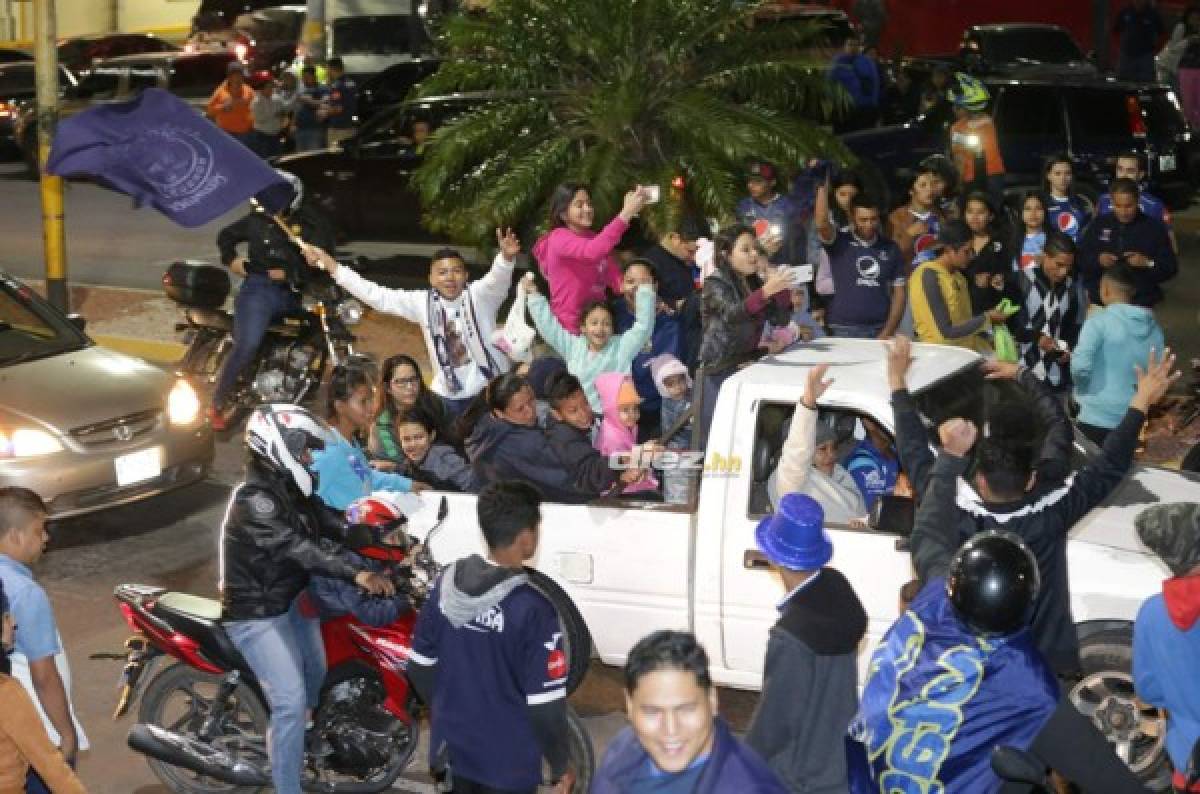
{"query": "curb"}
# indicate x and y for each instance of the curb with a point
(157, 352)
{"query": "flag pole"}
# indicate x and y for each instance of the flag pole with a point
(46, 69)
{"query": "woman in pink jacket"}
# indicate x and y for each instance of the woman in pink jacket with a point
(578, 263)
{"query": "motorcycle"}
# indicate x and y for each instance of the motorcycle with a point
(203, 719)
(290, 362)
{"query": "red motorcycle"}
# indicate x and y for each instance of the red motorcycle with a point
(202, 722)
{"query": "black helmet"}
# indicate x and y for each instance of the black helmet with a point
(993, 583)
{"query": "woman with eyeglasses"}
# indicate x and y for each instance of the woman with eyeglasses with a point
(402, 389)
(23, 739)
(343, 469)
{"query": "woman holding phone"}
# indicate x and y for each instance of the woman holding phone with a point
(577, 262)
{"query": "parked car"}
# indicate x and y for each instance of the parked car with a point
(1092, 120)
(219, 16)
(190, 76)
(18, 85)
(8, 55)
(697, 564)
(265, 40)
(85, 427)
(392, 85)
(363, 182)
(1023, 50)
(79, 52)
(371, 35)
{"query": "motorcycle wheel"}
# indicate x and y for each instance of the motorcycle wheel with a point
(577, 640)
(178, 699)
(582, 754)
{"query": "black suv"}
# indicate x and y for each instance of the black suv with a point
(1023, 50)
(363, 183)
(1091, 120)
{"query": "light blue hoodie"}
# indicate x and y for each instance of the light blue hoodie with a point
(344, 473)
(1114, 340)
(617, 355)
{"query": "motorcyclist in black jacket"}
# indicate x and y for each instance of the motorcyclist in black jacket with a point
(277, 532)
(275, 272)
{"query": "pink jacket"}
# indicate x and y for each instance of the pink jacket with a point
(614, 436)
(579, 267)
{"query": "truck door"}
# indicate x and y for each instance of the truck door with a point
(751, 591)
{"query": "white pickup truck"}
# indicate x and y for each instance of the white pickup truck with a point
(634, 566)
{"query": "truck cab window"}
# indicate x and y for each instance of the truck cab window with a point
(855, 463)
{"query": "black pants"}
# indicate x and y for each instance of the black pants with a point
(463, 786)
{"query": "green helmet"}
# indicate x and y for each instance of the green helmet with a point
(968, 92)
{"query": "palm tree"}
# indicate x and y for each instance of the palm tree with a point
(613, 93)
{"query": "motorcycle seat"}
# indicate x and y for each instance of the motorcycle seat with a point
(200, 619)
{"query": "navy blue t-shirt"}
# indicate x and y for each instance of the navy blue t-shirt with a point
(1067, 215)
(489, 671)
(652, 780)
(863, 277)
(343, 92)
(306, 115)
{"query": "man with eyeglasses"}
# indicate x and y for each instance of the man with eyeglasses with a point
(940, 297)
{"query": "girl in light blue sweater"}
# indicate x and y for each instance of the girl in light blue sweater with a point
(595, 349)
(344, 472)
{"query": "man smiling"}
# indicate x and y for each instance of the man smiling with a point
(676, 743)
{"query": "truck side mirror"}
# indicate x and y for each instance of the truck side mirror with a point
(893, 514)
(78, 321)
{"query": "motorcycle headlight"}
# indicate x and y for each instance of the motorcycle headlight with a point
(974, 141)
(183, 406)
(27, 442)
(350, 312)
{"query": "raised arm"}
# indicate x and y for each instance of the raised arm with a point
(935, 534)
(547, 324)
(493, 288)
(912, 440)
(634, 339)
(795, 460)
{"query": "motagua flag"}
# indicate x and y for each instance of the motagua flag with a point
(160, 151)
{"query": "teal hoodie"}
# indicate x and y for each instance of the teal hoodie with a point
(1114, 340)
(617, 355)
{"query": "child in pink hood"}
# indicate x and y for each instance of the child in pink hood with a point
(618, 428)
(578, 263)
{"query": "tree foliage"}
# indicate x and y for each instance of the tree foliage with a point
(614, 93)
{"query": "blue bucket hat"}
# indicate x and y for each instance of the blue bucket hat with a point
(794, 537)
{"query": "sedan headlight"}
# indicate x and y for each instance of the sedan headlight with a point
(27, 442)
(183, 406)
(350, 312)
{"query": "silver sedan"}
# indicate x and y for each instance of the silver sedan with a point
(85, 427)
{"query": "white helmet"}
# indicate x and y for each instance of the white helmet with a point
(280, 433)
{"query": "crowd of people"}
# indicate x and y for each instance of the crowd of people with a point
(287, 113)
(1057, 296)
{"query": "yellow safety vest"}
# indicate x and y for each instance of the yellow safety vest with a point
(955, 295)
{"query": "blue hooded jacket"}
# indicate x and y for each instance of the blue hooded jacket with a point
(1113, 341)
(732, 766)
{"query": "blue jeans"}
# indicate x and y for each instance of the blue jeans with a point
(310, 138)
(259, 303)
(855, 331)
(288, 659)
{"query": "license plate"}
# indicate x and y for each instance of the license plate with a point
(138, 466)
(1166, 162)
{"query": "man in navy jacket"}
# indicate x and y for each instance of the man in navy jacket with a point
(1128, 235)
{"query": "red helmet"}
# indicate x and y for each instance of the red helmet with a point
(379, 516)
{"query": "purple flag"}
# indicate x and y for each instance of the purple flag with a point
(159, 150)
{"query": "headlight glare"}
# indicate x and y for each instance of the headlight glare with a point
(28, 442)
(183, 406)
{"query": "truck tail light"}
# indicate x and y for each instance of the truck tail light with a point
(1137, 125)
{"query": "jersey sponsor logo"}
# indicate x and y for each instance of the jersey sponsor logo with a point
(491, 620)
(924, 248)
(556, 664)
(1028, 260)
(869, 269)
(1068, 223)
(761, 227)
(553, 641)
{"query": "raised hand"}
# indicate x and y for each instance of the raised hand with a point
(899, 359)
(958, 436)
(815, 386)
(510, 246)
(1154, 380)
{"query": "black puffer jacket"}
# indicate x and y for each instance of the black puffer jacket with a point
(734, 316)
(267, 246)
(502, 450)
(270, 544)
